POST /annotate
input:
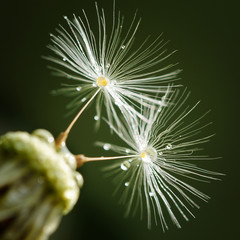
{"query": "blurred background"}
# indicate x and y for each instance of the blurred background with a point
(205, 35)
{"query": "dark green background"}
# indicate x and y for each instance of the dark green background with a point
(204, 32)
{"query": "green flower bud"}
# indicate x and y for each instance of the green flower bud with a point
(38, 185)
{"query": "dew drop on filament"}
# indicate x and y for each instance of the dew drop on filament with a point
(169, 146)
(127, 150)
(125, 165)
(123, 46)
(118, 103)
(126, 184)
(113, 82)
(106, 146)
(151, 194)
(96, 118)
(78, 89)
(83, 99)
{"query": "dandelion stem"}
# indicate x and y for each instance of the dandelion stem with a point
(63, 135)
(81, 159)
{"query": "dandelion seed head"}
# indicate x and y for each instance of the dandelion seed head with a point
(163, 164)
(130, 76)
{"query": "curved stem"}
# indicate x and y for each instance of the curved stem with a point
(63, 136)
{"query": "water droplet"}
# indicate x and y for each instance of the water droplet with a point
(79, 179)
(106, 146)
(127, 150)
(97, 68)
(159, 110)
(83, 99)
(96, 118)
(149, 155)
(51, 35)
(163, 161)
(169, 146)
(121, 26)
(160, 153)
(118, 103)
(151, 194)
(126, 184)
(65, 17)
(125, 165)
(113, 82)
(64, 59)
(123, 46)
(108, 65)
(94, 84)
(78, 89)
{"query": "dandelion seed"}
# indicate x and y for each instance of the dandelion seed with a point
(96, 59)
(158, 182)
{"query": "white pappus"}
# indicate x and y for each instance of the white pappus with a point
(164, 151)
(108, 65)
